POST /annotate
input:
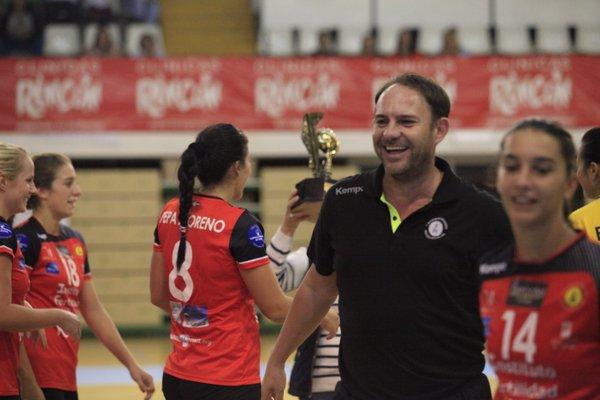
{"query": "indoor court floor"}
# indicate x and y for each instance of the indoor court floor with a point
(101, 377)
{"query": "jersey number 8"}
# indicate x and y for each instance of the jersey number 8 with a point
(184, 272)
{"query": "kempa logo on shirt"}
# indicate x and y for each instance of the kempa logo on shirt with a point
(436, 228)
(349, 190)
(496, 268)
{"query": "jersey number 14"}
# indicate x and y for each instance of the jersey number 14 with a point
(524, 340)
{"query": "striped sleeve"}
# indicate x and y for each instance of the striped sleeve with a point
(289, 267)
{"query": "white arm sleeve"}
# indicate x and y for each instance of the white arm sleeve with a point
(289, 266)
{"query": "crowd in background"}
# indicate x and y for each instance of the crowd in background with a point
(22, 24)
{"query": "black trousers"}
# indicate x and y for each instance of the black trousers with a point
(475, 389)
(58, 394)
(180, 389)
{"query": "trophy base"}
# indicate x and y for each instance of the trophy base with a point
(310, 190)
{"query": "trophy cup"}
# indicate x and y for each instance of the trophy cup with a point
(312, 190)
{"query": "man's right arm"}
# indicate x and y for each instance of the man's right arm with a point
(311, 303)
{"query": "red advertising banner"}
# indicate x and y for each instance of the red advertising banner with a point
(179, 94)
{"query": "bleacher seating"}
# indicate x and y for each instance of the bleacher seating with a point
(513, 40)
(553, 39)
(588, 39)
(516, 24)
(91, 31)
(135, 31)
(475, 40)
(62, 40)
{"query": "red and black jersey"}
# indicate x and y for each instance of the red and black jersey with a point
(214, 328)
(542, 322)
(9, 341)
(59, 265)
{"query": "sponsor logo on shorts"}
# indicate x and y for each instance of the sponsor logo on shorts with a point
(436, 228)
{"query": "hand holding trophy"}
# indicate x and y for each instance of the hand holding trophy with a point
(312, 190)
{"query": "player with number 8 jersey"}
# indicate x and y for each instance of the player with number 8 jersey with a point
(539, 298)
(213, 316)
(208, 269)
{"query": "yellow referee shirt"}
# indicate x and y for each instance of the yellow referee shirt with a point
(587, 218)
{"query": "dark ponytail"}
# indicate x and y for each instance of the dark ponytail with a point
(209, 158)
(590, 147)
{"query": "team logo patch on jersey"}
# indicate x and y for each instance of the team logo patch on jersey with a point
(79, 251)
(255, 236)
(52, 268)
(573, 296)
(5, 230)
(527, 293)
(436, 228)
(64, 251)
(23, 241)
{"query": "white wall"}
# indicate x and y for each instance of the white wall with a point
(468, 143)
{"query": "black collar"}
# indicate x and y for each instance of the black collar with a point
(448, 190)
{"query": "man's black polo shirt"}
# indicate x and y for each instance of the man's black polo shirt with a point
(408, 300)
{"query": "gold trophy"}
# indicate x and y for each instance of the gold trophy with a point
(312, 190)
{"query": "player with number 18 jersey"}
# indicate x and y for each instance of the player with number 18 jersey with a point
(59, 266)
(214, 328)
(542, 322)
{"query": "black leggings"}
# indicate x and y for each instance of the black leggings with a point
(179, 389)
(57, 394)
(10, 397)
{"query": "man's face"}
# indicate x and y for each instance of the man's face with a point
(403, 136)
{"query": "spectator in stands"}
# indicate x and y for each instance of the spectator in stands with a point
(450, 43)
(20, 29)
(327, 43)
(98, 11)
(407, 43)
(104, 45)
(369, 44)
(62, 11)
(147, 46)
(141, 10)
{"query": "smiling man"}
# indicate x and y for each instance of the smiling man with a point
(400, 245)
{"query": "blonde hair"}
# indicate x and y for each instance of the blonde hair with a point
(11, 158)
